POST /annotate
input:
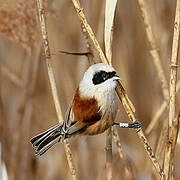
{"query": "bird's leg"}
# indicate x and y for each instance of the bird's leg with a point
(135, 124)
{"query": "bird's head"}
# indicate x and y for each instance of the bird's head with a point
(99, 78)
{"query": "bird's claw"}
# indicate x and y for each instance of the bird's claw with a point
(136, 124)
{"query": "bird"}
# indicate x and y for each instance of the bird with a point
(91, 112)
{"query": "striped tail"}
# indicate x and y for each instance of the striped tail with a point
(44, 141)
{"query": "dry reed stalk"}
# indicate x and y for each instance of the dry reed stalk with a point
(154, 51)
(108, 37)
(108, 29)
(174, 142)
(158, 114)
(172, 100)
(170, 148)
(161, 143)
(127, 104)
(44, 33)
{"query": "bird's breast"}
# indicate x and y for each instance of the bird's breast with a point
(85, 110)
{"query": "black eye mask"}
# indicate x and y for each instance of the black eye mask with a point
(102, 76)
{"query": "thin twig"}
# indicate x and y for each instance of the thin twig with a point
(41, 13)
(172, 91)
(76, 53)
(128, 106)
(153, 51)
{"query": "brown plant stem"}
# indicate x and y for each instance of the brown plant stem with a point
(168, 161)
(44, 33)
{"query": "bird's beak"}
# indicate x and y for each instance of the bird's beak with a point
(116, 77)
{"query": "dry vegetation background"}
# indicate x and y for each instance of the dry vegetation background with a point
(26, 104)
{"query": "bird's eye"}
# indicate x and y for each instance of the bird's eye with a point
(104, 75)
(100, 77)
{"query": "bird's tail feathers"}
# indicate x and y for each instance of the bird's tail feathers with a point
(44, 141)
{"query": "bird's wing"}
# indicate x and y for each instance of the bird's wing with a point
(76, 127)
(68, 118)
(70, 124)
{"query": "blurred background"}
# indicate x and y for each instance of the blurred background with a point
(26, 104)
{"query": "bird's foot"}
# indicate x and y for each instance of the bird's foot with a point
(136, 124)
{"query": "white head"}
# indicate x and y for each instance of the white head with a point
(99, 81)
